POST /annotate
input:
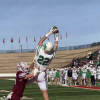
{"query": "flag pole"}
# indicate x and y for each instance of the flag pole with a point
(27, 46)
(34, 46)
(19, 44)
(66, 45)
(12, 46)
(27, 43)
(34, 43)
(4, 47)
(66, 42)
(19, 47)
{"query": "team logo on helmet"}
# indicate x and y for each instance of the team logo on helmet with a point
(48, 46)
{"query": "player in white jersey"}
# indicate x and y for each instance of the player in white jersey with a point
(84, 75)
(50, 76)
(93, 72)
(53, 76)
(65, 75)
(98, 75)
(43, 57)
(74, 75)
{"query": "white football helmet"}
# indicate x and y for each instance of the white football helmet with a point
(48, 47)
(22, 66)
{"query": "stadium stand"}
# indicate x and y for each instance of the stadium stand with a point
(8, 61)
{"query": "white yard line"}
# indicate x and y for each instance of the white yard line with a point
(4, 91)
(23, 98)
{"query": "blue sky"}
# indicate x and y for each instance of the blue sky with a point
(21, 18)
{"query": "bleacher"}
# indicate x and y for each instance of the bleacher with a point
(8, 61)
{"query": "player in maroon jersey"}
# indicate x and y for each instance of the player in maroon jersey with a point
(21, 78)
(19, 86)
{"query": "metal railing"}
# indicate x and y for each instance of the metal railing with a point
(59, 48)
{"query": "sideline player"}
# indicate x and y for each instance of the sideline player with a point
(74, 75)
(84, 69)
(44, 55)
(98, 75)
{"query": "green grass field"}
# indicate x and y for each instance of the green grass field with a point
(55, 92)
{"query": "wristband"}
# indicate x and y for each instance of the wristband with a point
(56, 38)
(35, 72)
(47, 34)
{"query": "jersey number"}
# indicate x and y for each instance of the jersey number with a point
(43, 61)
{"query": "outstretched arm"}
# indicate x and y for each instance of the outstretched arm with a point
(47, 35)
(52, 31)
(56, 42)
(34, 73)
(41, 41)
(55, 46)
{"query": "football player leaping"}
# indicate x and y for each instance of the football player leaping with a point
(43, 57)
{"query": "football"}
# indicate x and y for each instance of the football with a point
(56, 31)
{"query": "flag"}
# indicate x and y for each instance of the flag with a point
(19, 40)
(3, 40)
(26, 39)
(34, 39)
(54, 37)
(11, 40)
(60, 37)
(48, 38)
(66, 34)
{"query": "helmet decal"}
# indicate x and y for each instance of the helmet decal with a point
(45, 46)
(48, 47)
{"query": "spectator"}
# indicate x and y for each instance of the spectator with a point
(88, 76)
(75, 62)
(78, 61)
(87, 57)
(80, 76)
(72, 65)
(90, 58)
(69, 74)
(92, 53)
